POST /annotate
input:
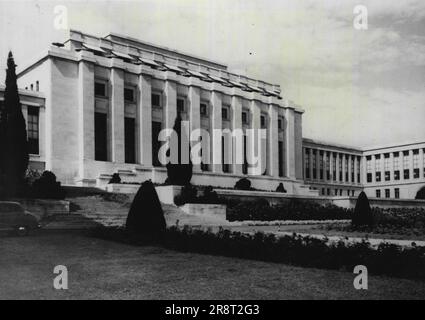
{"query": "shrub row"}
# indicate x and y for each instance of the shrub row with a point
(189, 194)
(387, 259)
(261, 210)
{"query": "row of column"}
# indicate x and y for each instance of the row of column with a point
(345, 168)
(144, 121)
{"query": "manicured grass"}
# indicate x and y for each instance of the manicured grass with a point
(101, 269)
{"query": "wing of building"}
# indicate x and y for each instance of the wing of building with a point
(96, 106)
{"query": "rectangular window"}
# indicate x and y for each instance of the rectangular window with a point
(378, 193)
(37, 86)
(129, 95)
(387, 176)
(369, 177)
(334, 167)
(225, 114)
(226, 166)
(156, 144)
(180, 105)
(328, 165)
(130, 140)
(244, 117)
(245, 161)
(100, 136)
(397, 193)
(378, 176)
(397, 175)
(346, 163)
(341, 159)
(416, 173)
(203, 109)
(406, 174)
(314, 165)
(321, 164)
(33, 130)
(156, 100)
(100, 89)
(387, 193)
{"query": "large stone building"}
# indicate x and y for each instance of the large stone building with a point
(95, 106)
(108, 98)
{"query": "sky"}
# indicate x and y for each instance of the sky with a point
(361, 88)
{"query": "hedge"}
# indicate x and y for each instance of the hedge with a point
(387, 259)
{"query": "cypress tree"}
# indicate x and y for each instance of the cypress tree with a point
(14, 145)
(179, 173)
(362, 215)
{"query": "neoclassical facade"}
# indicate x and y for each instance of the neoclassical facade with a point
(96, 106)
(107, 99)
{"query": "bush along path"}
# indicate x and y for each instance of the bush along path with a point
(386, 259)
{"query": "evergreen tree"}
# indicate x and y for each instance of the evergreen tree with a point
(362, 215)
(13, 135)
(179, 173)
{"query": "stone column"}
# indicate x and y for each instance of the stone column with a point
(331, 166)
(373, 167)
(237, 125)
(216, 126)
(411, 167)
(144, 120)
(421, 163)
(170, 108)
(290, 143)
(273, 140)
(344, 167)
(117, 115)
(194, 97)
(337, 167)
(85, 114)
(254, 149)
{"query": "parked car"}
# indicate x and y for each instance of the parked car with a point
(14, 217)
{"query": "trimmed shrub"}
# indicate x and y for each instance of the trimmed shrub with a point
(189, 194)
(362, 215)
(145, 219)
(281, 188)
(179, 173)
(243, 184)
(115, 178)
(46, 187)
(420, 195)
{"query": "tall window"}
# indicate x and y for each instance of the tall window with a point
(387, 193)
(321, 156)
(328, 165)
(226, 166)
(346, 167)
(33, 127)
(100, 136)
(130, 140)
(203, 109)
(341, 159)
(334, 167)
(307, 162)
(378, 193)
(352, 169)
(358, 169)
(397, 193)
(378, 176)
(244, 117)
(281, 160)
(314, 165)
(156, 144)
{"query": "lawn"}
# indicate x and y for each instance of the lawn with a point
(100, 269)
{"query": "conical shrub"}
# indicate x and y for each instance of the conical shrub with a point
(362, 215)
(145, 219)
